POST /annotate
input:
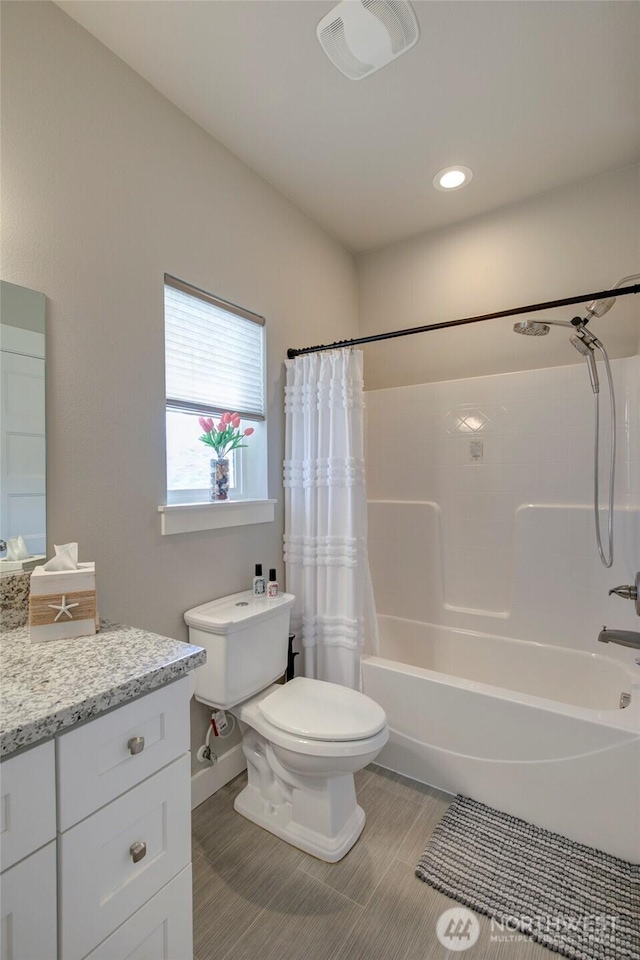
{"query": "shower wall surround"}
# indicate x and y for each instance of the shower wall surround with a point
(480, 504)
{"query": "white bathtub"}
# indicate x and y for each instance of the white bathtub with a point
(532, 729)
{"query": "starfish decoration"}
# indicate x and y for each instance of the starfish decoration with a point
(63, 607)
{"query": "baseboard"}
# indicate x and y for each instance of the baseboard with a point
(206, 782)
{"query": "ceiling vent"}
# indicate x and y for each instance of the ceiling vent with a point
(361, 36)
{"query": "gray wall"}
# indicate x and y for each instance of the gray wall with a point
(570, 241)
(105, 187)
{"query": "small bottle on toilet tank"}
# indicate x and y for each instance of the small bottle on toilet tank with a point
(273, 587)
(259, 582)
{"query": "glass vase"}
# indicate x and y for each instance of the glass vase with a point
(219, 480)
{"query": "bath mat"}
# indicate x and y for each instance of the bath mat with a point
(578, 902)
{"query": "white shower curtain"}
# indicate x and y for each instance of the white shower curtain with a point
(325, 542)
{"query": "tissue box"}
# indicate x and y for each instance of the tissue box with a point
(62, 604)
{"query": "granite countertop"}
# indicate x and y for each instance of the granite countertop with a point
(47, 687)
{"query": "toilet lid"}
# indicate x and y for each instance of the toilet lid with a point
(318, 710)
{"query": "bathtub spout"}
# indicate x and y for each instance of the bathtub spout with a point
(626, 638)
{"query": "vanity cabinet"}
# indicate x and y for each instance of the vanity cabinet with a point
(27, 803)
(96, 842)
(28, 855)
(29, 906)
(104, 758)
(160, 930)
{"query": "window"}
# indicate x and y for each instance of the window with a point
(214, 359)
(188, 459)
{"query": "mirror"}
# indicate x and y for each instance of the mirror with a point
(23, 511)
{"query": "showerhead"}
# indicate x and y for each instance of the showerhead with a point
(598, 308)
(583, 340)
(531, 328)
(538, 328)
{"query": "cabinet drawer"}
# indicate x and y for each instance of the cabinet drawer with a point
(28, 908)
(96, 763)
(100, 884)
(27, 803)
(161, 930)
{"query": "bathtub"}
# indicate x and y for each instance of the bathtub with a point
(533, 729)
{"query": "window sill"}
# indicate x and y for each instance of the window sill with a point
(192, 517)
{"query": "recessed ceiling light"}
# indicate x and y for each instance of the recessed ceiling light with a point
(452, 178)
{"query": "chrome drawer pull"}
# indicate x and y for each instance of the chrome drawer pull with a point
(138, 851)
(136, 745)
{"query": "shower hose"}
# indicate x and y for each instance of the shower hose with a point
(607, 558)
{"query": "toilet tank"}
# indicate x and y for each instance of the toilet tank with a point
(246, 639)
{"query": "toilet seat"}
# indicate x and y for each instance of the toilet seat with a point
(251, 713)
(317, 710)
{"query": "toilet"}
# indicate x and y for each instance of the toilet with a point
(303, 740)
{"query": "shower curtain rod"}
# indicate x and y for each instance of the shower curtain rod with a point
(530, 308)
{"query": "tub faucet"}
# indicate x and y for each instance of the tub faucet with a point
(626, 638)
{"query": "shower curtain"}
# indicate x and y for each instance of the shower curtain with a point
(325, 542)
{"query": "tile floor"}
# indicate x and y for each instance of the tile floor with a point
(257, 898)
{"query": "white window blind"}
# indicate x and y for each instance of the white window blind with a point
(214, 354)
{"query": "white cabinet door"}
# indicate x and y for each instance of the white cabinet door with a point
(27, 803)
(101, 882)
(22, 448)
(161, 930)
(28, 908)
(102, 759)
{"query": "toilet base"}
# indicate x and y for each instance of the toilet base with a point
(298, 792)
(277, 819)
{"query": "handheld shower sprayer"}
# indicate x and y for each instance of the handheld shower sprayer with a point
(587, 351)
(583, 340)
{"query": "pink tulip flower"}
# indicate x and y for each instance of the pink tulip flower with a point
(206, 423)
(226, 418)
(249, 431)
(235, 420)
(221, 426)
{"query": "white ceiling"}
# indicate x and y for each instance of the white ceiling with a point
(530, 95)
